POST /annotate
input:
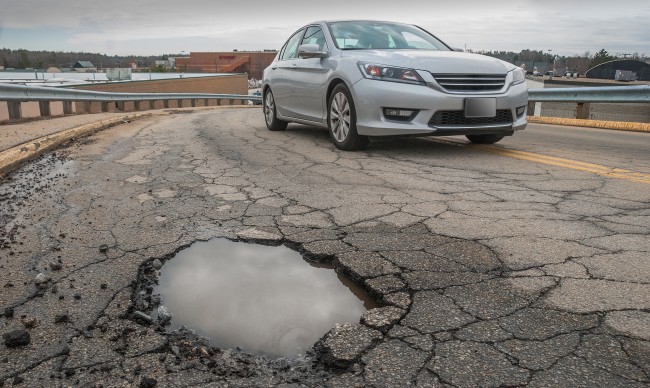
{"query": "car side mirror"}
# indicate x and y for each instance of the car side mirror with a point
(311, 51)
(459, 49)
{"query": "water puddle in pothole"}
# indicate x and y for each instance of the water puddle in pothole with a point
(262, 299)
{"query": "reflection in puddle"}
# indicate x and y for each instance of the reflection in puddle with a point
(262, 299)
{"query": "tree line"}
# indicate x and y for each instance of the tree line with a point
(28, 59)
(575, 63)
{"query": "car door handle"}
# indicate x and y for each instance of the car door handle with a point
(273, 67)
(294, 66)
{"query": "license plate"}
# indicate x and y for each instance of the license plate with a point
(480, 107)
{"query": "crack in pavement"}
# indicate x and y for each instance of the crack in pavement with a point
(493, 274)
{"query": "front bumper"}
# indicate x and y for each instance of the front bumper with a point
(372, 96)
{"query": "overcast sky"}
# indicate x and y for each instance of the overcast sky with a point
(121, 27)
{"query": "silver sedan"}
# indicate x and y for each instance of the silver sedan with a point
(366, 78)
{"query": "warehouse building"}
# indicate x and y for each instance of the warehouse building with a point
(251, 62)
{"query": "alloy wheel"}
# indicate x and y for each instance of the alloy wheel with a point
(269, 108)
(340, 117)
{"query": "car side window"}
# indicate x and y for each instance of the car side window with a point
(291, 48)
(315, 35)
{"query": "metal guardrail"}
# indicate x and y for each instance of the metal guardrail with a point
(614, 94)
(10, 92)
(14, 95)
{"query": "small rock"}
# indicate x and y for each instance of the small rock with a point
(28, 322)
(103, 286)
(143, 316)
(69, 372)
(156, 264)
(41, 278)
(9, 312)
(176, 350)
(16, 338)
(164, 315)
(54, 289)
(77, 296)
(61, 318)
(103, 248)
(148, 382)
(56, 266)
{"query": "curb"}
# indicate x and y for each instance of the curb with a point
(13, 157)
(616, 125)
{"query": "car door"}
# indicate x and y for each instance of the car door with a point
(310, 75)
(282, 74)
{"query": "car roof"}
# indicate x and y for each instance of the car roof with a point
(355, 20)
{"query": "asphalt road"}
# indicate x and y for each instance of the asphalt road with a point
(522, 263)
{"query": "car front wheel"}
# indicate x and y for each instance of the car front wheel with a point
(342, 121)
(484, 139)
(270, 113)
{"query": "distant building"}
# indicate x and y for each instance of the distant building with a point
(608, 70)
(251, 62)
(84, 67)
(167, 64)
(118, 74)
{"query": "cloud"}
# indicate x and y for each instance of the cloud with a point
(205, 25)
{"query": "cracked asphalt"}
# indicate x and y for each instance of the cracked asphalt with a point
(490, 271)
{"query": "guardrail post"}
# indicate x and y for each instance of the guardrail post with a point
(85, 106)
(166, 104)
(15, 110)
(582, 110)
(119, 105)
(104, 106)
(218, 101)
(136, 105)
(44, 107)
(193, 102)
(180, 103)
(67, 107)
(206, 102)
(232, 101)
(152, 104)
(530, 111)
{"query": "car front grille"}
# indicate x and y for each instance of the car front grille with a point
(468, 83)
(457, 118)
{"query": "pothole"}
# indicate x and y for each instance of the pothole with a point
(262, 299)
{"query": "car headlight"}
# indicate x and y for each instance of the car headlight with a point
(518, 76)
(390, 73)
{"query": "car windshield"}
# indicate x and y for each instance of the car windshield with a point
(361, 35)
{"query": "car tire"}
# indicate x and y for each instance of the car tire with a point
(484, 139)
(342, 121)
(270, 113)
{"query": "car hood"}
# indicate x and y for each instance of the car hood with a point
(436, 62)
